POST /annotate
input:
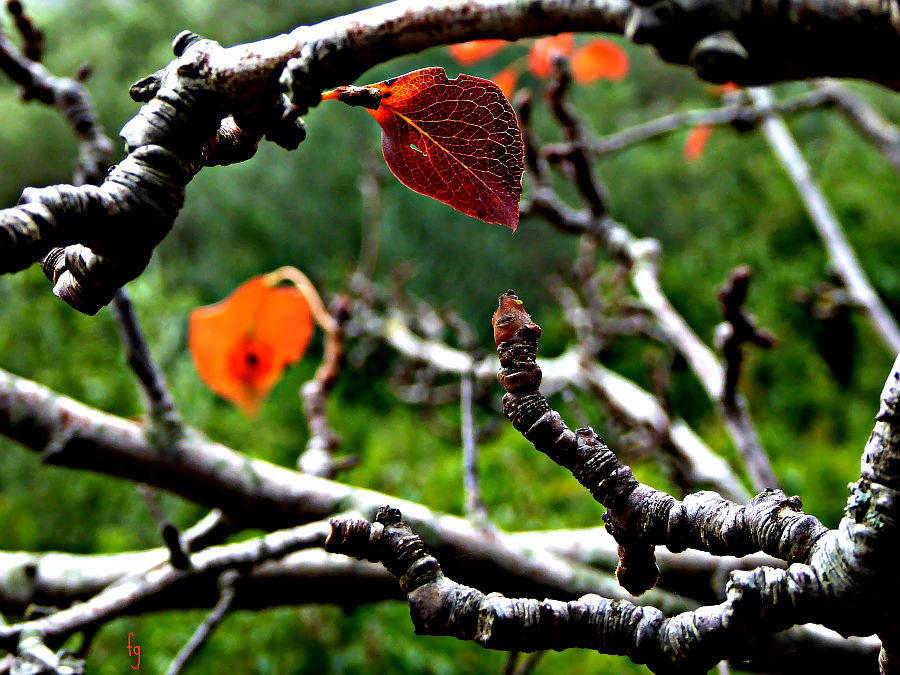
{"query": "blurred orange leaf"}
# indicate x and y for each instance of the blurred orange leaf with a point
(242, 344)
(696, 142)
(467, 53)
(599, 59)
(540, 57)
(506, 79)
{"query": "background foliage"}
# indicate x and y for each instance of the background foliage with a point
(733, 206)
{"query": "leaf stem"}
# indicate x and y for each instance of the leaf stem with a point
(365, 97)
(302, 283)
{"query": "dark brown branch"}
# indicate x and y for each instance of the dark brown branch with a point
(763, 42)
(849, 559)
(638, 516)
(623, 396)
(178, 555)
(32, 36)
(576, 155)
(739, 329)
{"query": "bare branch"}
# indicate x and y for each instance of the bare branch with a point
(641, 256)
(318, 457)
(691, 641)
(729, 113)
(473, 506)
(256, 493)
(739, 329)
(212, 620)
(159, 401)
(169, 140)
(638, 516)
(872, 125)
(120, 598)
(178, 555)
(840, 254)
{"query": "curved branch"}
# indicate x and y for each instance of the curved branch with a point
(179, 130)
(688, 642)
(638, 516)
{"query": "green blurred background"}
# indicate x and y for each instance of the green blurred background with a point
(303, 208)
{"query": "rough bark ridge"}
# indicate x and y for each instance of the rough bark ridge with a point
(835, 577)
(830, 571)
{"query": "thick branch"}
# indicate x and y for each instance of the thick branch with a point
(833, 569)
(256, 493)
(688, 642)
(764, 41)
(173, 135)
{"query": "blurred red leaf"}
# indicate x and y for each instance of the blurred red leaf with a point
(696, 142)
(540, 57)
(456, 141)
(242, 344)
(467, 53)
(599, 59)
(506, 79)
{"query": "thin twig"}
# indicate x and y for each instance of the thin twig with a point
(529, 663)
(160, 403)
(871, 124)
(318, 457)
(370, 186)
(738, 329)
(728, 114)
(212, 529)
(512, 659)
(226, 596)
(576, 155)
(178, 556)
(473, 506)
(302, 283)
(840, 253)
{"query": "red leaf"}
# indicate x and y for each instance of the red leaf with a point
(540, 57)
(467, 53)
(506, 79)
(599, 59)
(728, 88)
(242, 344)
(456, 141)
(696, 141)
